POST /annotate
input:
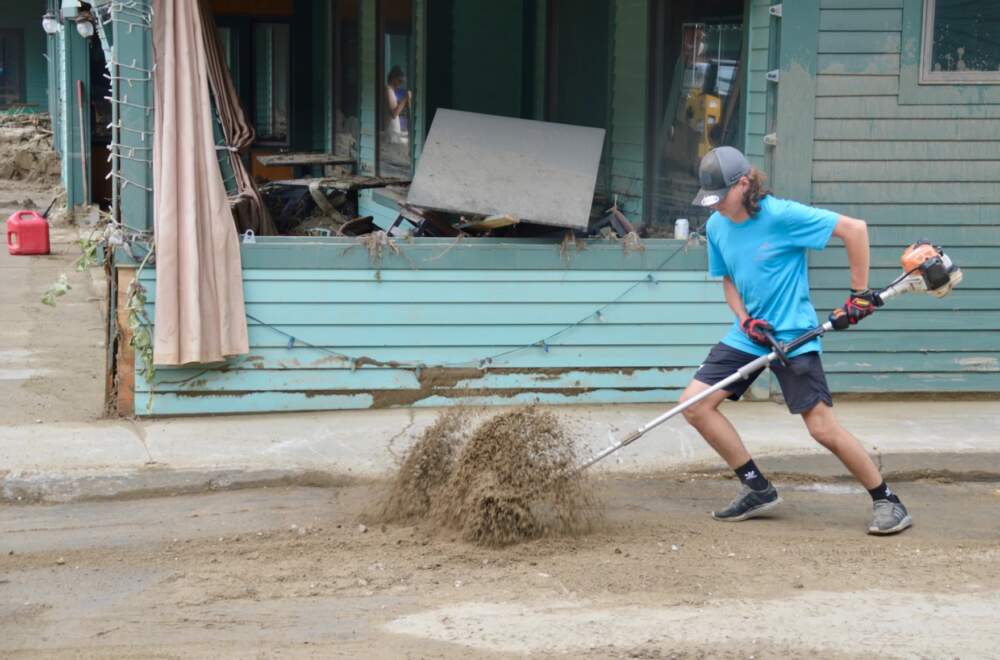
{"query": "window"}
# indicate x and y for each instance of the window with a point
(258, 54)
(961, 42)
(394, 94)
(695, 89)
(271, 66)
(11, 67)
(346, 89)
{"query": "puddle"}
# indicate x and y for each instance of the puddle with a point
(827, 489)
(22, 374)
(16, 356)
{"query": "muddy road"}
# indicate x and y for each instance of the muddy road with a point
(292, 573)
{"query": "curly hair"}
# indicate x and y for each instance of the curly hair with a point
(758, 190)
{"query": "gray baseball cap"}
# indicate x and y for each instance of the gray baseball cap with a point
(719, 170)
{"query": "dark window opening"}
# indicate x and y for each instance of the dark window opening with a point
(271, 71)
(100, 133)
(577, 82)
(11, 68)
(346, 80)
(696, 84)
(464, 75)
(258, 52)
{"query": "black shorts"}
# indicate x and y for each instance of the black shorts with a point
(803, 383)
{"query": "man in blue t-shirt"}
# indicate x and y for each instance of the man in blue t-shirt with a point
(757, 244)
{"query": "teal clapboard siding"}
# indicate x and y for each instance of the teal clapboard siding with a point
(448, 307)
(629, 84)
(911, 171)
(759, 62)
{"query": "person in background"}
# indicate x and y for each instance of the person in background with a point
(394, 105)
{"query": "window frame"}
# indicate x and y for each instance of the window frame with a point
(659, 18)
(911, 91)
(338, 83)
(380, 82)
(254, 22)
(242, 29)
(927, 76)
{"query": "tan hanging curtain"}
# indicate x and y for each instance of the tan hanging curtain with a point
(200, 316)
(238, 132)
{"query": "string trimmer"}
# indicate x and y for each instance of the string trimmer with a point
(926, 269)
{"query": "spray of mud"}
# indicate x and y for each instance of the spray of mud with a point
(508, 479)
(425, 468)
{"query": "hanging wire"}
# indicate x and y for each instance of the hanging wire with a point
(117, 157)
(148, 78)
(126, 182)
(133, 67)
(145, 108)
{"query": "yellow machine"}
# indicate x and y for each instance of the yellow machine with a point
(703, 112)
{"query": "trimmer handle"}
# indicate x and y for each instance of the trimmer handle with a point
(776, 346)
(838, 319)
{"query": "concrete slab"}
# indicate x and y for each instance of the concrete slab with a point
(51, 359)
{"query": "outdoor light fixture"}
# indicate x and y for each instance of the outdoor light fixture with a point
(85, 24)
(50, 23)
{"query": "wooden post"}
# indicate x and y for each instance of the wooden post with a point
(125, 367)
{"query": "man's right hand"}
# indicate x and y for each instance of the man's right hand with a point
(755, 329)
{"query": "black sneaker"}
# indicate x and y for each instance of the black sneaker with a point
(748, 504)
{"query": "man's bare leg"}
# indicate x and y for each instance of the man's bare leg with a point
(715, 427)
(827, 431)
(758, 495)
(890, 516)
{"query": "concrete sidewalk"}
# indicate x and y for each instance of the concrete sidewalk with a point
(51, 358)
(89, 460)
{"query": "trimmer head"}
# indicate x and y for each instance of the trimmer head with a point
(926, 267)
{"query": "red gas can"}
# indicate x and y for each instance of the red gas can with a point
(27, 233)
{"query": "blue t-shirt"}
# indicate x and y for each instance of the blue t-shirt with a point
(765, 257)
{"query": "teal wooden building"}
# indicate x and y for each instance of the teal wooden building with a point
(886, 110)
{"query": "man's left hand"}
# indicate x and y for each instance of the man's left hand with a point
(861, 304)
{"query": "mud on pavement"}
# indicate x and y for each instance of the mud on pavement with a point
(293, 572)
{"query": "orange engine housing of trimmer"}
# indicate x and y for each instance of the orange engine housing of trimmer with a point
(915, 256)
(929, 262)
